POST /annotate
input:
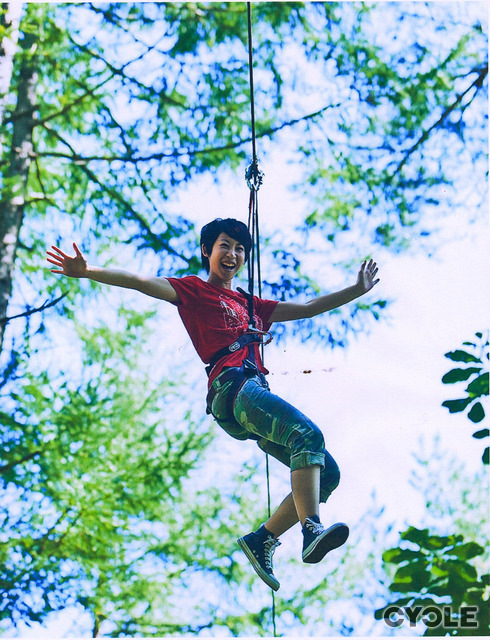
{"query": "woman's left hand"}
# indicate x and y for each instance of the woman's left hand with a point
(366, 276)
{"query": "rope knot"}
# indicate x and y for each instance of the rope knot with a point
(253, 175)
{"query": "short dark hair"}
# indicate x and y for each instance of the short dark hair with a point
(233, 228)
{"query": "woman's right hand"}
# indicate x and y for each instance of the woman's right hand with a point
(74, 267)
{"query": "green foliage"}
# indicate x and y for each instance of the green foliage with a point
(105, 503)
(454, 495)
(91, 477)
(437, 570)
(433, 569)
(135, 100)
(398, 95)
(475, 354)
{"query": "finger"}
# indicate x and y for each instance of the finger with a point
(56, 262)
(60, 252)
(57, 271)
(77, 250)
(53, 255)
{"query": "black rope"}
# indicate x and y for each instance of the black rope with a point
(251, 260)
(251, 76)
(254, 178)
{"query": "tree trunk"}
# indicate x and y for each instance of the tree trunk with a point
(16, 176)
(9, 20)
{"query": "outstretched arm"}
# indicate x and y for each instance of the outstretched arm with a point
(76, 267)
(285, 311)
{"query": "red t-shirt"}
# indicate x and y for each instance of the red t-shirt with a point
(215, 317)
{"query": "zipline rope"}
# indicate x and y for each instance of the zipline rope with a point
(251, 76)
(254, 178)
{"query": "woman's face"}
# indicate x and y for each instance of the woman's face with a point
(226, 259)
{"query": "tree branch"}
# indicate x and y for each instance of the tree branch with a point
(90, 92)
(30, 311)
(135, 215)
(120, 71)
(75, 157)
(425, 135)
(7, 467)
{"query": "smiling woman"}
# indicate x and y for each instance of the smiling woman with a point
(217, 320)
(227, 243)
(229, 255)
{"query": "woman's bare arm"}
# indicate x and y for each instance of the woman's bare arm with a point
(76, 267)
(285, 311)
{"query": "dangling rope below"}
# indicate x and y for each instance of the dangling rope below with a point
(254, 178)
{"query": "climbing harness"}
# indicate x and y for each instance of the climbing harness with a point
(245, 340)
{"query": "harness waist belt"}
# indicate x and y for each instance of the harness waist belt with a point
(239, 375)
(242, 341)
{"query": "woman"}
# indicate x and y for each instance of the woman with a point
(217, 320)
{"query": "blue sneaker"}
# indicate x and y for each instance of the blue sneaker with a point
(318, 541)
(259, 548)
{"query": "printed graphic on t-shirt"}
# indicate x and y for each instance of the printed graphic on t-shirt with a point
(236, 316)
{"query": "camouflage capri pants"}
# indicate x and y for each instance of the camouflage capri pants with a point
(279, 428)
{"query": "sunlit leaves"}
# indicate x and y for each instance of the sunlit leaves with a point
(404, 115)
(137, 99)
(94, 464)
(133, 101)
(477, 389)
(435, 569)
(440, 570)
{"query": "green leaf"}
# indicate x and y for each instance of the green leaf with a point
(461, 356)
(438, 543)
(463, 569)
(415, 572)
(458, 375)
(476, 414)
(486, 456)
(401, 587)
(483, 433)
(402, 555)
(479, 386)
(456, 406)
(467, 550)
(418, 536)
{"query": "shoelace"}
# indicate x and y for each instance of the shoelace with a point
(270, 544)
(315, 527)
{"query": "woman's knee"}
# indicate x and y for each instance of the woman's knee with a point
(329, 477)
(307, 446)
